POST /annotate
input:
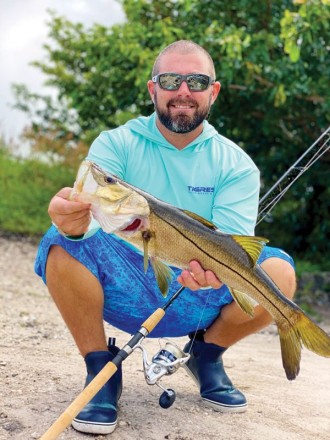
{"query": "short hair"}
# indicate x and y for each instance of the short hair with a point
(183, 47)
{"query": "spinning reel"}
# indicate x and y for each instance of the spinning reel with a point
(165, 362)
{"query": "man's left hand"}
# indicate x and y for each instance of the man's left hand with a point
(197, 278)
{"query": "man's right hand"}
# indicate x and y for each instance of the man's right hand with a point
(71, 217)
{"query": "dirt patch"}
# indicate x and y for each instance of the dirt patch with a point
(41, 372)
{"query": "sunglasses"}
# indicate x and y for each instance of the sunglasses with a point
(196, 82)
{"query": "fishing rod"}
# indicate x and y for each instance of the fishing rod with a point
(166, 361)
(284, 183)
(169, 358)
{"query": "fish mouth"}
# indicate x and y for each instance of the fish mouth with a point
(134, 226)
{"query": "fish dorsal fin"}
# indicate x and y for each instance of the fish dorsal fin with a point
(200, 219)
(246, 303)
(251, 244)
(163, 274)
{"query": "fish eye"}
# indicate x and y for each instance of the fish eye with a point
(109, 179)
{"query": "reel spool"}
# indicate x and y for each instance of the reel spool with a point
(165, 362)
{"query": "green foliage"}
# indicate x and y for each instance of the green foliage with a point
(310, 311)
(26, 187)
(271, 57)
(303, 266)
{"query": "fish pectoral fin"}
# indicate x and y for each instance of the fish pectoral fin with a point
(163, 274)
(246, 303)
(146, 237)
(145, 256)
(251, 244)
(200, 219)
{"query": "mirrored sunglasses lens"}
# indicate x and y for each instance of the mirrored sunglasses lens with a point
(170, 82)
(198, 82)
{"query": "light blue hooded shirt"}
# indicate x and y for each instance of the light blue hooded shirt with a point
(211, 176)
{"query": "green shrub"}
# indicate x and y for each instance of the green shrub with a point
(307, 266)
(26, 187)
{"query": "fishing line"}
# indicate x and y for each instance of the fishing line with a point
(266, 209)
(285, 182)
(200, 320)
(151, 322)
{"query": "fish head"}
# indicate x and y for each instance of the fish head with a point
(114, 205)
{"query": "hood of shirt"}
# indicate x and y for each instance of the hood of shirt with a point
(146, 127)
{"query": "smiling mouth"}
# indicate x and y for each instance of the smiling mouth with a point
(182, 107)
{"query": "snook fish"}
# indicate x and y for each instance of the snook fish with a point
(171, 236)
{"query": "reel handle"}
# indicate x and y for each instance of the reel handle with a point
(167, 398)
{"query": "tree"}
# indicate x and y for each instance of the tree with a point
(271, 58)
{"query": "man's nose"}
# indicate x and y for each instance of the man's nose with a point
(184, 89)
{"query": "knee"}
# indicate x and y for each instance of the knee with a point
(283, 275)
(58, 260)
(65, 274)
(61, 267)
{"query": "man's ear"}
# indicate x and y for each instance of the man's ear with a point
(151, 89)
(215, 90)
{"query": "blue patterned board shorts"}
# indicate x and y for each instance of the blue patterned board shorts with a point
(130, 295)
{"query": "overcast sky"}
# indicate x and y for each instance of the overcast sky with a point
(24, 31)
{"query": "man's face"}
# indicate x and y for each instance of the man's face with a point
(182, 110)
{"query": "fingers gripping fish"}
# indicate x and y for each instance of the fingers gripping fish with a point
(171, 236)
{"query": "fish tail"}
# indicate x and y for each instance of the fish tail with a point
(313, 337)
(304, 332)
(291, 351)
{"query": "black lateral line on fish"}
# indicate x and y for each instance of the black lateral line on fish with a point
(151, 199)
(230, 268)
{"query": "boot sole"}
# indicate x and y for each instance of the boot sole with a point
(220, 407)
(93, 427)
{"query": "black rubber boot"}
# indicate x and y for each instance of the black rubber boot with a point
(100, 415)
(206, 368)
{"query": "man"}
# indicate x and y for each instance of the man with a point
(178, 157)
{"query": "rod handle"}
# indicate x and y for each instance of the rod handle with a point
(151, 322)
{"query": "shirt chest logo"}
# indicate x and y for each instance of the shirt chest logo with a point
(201, 189)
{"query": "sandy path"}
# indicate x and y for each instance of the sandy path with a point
(41, 373)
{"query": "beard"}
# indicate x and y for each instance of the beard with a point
(182, 123)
